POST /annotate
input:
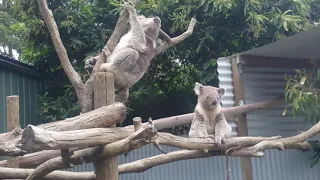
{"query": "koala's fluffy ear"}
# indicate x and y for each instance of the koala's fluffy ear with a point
(222, 91)
(198, 88)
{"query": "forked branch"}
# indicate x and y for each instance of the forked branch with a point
(176, 40)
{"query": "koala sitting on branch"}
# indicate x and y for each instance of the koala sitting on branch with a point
(131, 57)
(209, 120)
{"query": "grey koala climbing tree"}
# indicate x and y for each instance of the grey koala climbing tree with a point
(65, 143)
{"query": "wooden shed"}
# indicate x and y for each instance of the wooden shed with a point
(258, 75)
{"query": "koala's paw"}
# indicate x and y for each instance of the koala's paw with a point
(89, 64)
(129, 6)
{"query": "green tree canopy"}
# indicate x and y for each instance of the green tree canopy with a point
(224, 27)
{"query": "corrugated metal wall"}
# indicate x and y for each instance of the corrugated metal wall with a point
(225, 81)
(27, 88)
(288, 165)
(262, 83)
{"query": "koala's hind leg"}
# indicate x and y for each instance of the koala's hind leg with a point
(123, 60)
(122, 96)
(138, 39)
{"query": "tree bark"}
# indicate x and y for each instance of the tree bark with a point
(73, 76)
(134, 141)
(10, 143)
(15, 173)
(104, 94)
(12, 123)
(49, 140)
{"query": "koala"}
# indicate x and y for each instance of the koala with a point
(209, 120)
(132, 56)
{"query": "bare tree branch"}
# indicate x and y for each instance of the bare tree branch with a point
(11, 143)
(136, 166)
(174, 41)
(15, 173)
(135, 140)
(281, 144)
(48, 140)
(73, 76)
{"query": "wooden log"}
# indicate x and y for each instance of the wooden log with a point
(15, 173)
(12, 123)
(104, 94)
(10, 143)
(45, 139)
(137, 123)
(134, 141)
(40, 157)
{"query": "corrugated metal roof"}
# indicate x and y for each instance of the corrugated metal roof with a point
(9, 63)
(303, 45)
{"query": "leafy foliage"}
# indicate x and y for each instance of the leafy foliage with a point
(224, 27)
(303, 96)
(11, 30)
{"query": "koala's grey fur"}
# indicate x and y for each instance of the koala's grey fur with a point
(198, 127)
(209, 120)
(132, 55)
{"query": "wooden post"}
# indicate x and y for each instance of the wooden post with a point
(137, 123)
(12, 123)
(104, 94)
(242, 126)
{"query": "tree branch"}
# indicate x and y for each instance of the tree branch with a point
(11, 143)
(43, 139)
(73, 76)
(281, 144)
(174, 41)
(135, 140)
(15, 173)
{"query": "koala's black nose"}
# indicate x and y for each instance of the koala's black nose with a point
(214, 102)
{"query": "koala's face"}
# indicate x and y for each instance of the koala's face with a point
(151, 25)
(208, 96)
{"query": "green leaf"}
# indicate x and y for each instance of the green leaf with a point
(284, 111)
(303, 80)
(315, 160)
